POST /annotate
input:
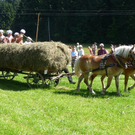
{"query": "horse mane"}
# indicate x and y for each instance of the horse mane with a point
(123, 51)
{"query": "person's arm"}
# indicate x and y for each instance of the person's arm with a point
(106, 52)
(19, 39)
(90, 50)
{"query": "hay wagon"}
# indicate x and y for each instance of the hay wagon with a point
(41, 62)
(35, 79)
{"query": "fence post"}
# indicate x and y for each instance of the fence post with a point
(37, 27)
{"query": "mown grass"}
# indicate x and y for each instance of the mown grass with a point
(62, 110)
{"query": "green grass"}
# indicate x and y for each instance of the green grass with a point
(63, 110)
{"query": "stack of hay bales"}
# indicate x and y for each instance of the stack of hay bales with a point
(38, 56)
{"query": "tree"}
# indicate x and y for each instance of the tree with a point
(7, 15)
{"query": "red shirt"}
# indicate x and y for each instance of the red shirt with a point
(102, 51)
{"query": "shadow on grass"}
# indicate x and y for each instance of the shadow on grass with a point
(14, 85)
(86, 94)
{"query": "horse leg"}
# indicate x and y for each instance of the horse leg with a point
(117, 84)
(102, 81)
(79, 81)
(86, 82)
(109, 80)
(92, 77)
(132, 86)
(126, 81)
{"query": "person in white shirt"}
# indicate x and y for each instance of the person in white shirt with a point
(94, 48)
(74, 55)
(9, 36)
(2, 37)
(80, 51)
(29, 40)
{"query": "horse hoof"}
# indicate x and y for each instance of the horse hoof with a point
(78, 90)
(119, 94)
(126, 91)
(129, 88)
(102, 93)
(93, 93)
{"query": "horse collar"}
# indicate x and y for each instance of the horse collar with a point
(123, 65)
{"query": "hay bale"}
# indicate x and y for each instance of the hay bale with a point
(39, 56)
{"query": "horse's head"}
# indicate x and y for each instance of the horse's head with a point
(132, 55)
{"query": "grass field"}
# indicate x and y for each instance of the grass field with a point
(62, 110)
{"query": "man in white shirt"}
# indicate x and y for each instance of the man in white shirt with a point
(74, 55)
(80, 51)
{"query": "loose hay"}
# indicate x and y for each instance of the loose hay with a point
(39, 56)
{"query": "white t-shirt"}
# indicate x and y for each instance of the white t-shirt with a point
(80, 53)
(1, 38)
(26, 42)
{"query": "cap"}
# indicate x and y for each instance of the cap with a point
(16, 33)
(9, 31)
(1, 31)
(29, 38)
(23, 31)
(101, 44)
(80, 45)
(77, 43)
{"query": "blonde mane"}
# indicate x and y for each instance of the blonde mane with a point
(123, 51)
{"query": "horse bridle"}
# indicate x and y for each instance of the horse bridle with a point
(131, 58)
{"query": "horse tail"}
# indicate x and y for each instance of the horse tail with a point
(77, 68)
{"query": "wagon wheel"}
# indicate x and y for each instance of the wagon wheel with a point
(50, 82)
(53, 82)
(35, 80)
(8, 75)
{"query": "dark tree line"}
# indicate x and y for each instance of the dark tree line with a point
(110, 21)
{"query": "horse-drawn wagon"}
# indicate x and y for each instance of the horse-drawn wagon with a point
(41, 62)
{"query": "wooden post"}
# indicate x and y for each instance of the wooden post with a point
(37, 27)
(49, 29)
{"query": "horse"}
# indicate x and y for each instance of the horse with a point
(126, 72)
(110, 65)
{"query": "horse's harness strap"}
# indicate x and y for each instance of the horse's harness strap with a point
(103, 62)
(110, 65)
(113, 58)
(117, 57)
(103, 65)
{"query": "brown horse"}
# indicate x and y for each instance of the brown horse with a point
(114, 65)
(127, 72)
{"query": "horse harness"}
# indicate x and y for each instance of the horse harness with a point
(117, 62)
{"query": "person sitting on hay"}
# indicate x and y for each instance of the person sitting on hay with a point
(28, 41)
(20, 39)
(9, 36)
(2, 37)
(15, 38)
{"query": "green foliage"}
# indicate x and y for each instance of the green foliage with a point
(7, 15)
(109, 21)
